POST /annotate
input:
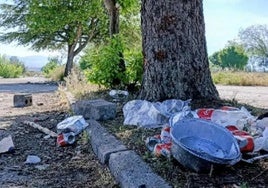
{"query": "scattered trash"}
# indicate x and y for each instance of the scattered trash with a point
(244, 139)
(64, 139)
(7, 145)
(118, 94)
(40, 128)
(160, 145)
(151, 115)
(32, 159)
(75, 124)
(69, 128)
(251, 160)
(198, 144)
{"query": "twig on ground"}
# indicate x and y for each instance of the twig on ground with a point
(40, 128)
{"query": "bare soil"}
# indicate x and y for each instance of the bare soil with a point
(77, 166)
(72, 166)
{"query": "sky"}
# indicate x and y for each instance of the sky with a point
(223, 19)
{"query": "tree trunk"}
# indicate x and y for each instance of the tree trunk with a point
(175, 53)
(70, 59)
(113, 11)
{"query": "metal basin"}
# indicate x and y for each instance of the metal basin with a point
(198, 144)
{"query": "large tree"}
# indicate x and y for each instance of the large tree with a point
(255, 40)
(53, 24)
(175, 54)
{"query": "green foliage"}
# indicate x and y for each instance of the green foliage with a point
(9, 69)
(134, 65)
(50, 66)
(57, 74)
(53, 24)
(103, 63)
(231, 57)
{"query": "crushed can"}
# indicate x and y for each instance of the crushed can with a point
(64, 139)
(244, 139)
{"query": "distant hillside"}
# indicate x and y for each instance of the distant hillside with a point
(34, 62)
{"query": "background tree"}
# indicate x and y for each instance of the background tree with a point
(255, 40)
(175, 54)
(53, 25)
(233, 56)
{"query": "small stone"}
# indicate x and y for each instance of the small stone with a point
(32, 159)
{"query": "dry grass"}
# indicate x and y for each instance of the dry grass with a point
(240, 78)
(77, 84)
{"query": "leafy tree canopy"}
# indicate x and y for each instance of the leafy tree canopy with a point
(232, 56)
(53, 24)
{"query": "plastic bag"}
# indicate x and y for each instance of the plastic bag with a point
(75, 124)
(151, 115)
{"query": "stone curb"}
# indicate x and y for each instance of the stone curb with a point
(125, 165)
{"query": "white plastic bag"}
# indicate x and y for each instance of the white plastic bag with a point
(151, 115)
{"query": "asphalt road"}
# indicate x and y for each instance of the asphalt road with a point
(255, 96)
(27, 85)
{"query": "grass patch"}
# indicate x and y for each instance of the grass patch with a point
(240, 78)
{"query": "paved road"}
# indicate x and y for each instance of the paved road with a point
(255, 96)
(27, 85)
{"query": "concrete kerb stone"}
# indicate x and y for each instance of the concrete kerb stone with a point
(97, 109)
(103, 143)
(131, 171)
(125, 165)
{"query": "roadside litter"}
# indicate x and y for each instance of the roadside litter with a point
(66, 130)
(7, 145)
(201, 138)
(151, 115)
(69, 128)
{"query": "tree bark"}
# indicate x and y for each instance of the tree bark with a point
(70, 59)
(113, 11)
(175, 53)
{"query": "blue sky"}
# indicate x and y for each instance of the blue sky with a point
(223, 20)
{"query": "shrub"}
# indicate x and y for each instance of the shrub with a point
(57, 74)
(50, 66)
(10, 70)
(103, 64)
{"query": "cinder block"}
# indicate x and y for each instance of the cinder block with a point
(98, 109)
(131, 171)
(103, 143)
(22, 100)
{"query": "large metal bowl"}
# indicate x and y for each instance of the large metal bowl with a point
(198, 144)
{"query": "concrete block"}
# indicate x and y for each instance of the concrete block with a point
(98, 109)
(131, 171)
(22, 100)
(102, 142)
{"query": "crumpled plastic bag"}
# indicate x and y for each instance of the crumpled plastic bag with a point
(151, 114)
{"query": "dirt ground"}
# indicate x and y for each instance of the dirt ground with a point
(76, 165)
(72, 166)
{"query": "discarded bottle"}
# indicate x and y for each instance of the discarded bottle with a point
(64, 139)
